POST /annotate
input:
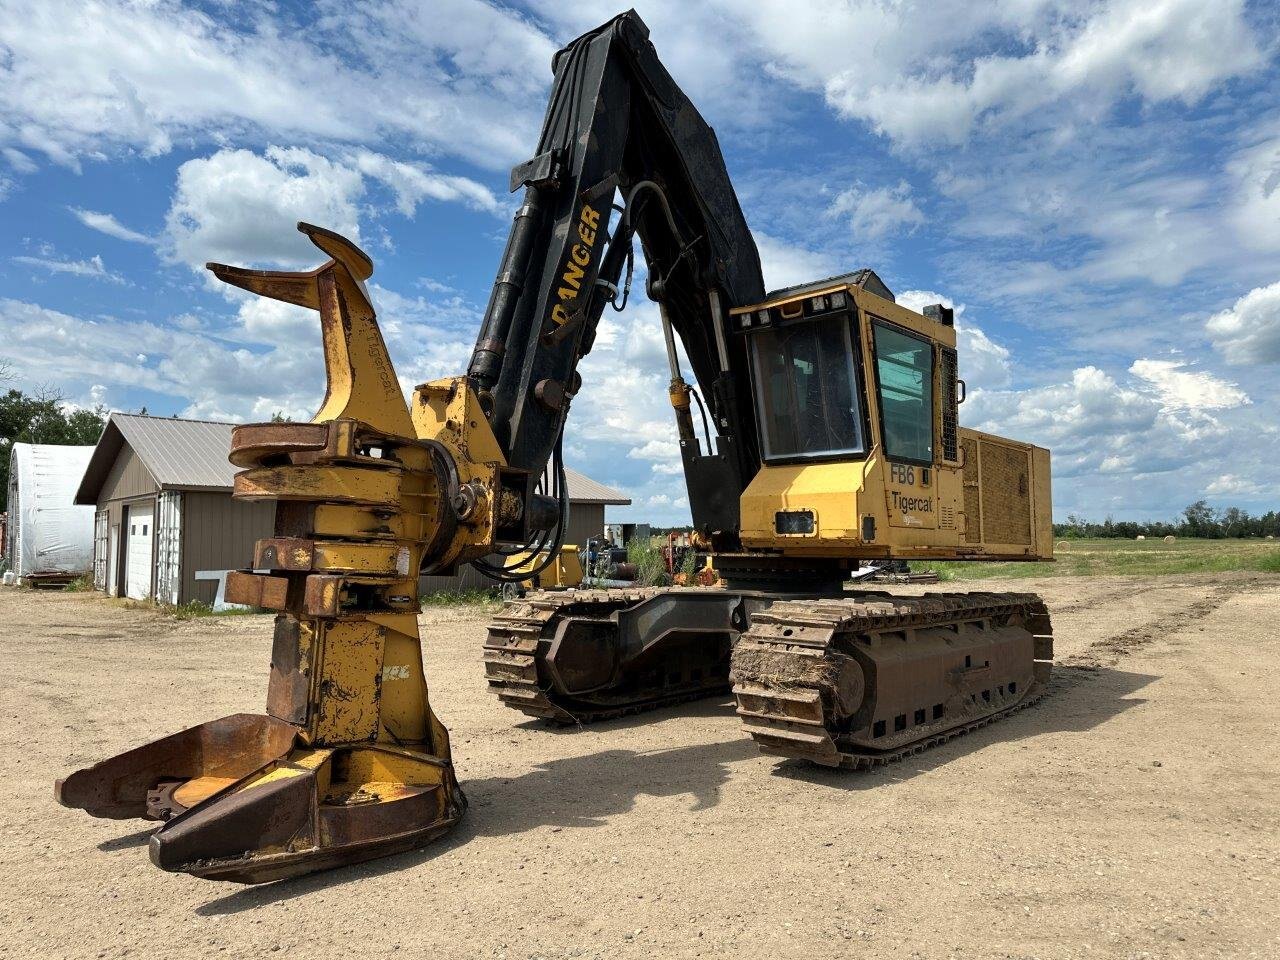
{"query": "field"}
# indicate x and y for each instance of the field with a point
(1131, 814)
(1091, 558)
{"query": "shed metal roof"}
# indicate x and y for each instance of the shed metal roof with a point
(192, 455)
(583, 489)
(179, 454)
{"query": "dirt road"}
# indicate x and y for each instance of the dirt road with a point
(1133, 813)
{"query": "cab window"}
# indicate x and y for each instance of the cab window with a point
(806, 389)
(904, 373)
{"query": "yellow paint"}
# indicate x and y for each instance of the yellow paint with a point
(359, 485)
(576, 264)
(566, 571)
(348, 708)
(917, 509)
(362, 382)
(449, 411)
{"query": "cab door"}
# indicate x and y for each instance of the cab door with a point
(904, 379)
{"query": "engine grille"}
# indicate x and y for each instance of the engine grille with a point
(1001, 512)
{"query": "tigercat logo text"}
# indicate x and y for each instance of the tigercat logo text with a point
(911, 504)
(575, 265)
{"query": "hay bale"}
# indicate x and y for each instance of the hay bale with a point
(1140, 537)
(1170, 539)
(1062, 545)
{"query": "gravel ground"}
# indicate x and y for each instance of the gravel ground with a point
(1133, 813)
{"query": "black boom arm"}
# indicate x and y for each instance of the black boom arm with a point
(623, 152)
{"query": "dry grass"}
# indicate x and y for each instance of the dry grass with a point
(1091, 558)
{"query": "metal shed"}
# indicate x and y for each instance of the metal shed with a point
(47, 535)
(164, 513)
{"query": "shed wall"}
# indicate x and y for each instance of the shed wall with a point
(218, 533)
(586, 520)
(127, 478)
(127, 481)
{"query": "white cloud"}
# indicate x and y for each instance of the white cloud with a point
(108, 224)
(1129, 445)
(414, 182)
(1249, 332)
(266, 359)
(92, 267)
(1181, 389)
(984, 364)
(1071, 193)
(1085, 422)
(264, 320)
(460, 77)
(941, 70)
(873, 214)
(786, 264)
(19, 161)
(1256, 205)
(240, 208)
(1231, 485)
(665, 450)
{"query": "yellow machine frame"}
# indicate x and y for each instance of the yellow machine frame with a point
(991, 502)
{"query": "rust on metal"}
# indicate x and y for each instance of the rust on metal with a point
(323, 595)
(256, 590)
(284, 554)
(231, 747)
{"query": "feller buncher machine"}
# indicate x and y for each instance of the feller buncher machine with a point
(826, 436)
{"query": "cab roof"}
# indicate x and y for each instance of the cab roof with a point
(865, 278)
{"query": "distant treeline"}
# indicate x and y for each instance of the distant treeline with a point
(1197, 520)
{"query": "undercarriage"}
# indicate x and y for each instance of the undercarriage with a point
(848, 680)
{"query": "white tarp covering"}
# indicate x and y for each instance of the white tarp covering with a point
(48, 533)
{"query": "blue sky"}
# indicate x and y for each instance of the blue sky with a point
(1094, 185)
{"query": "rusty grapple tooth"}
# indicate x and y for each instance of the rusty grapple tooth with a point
(312, 810)
(244, 799)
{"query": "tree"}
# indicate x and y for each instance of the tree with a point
(42, 418)
(1201, 521)
(1235, 522)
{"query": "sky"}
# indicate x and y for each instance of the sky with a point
(1094, 186)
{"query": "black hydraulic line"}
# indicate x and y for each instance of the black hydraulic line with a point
(516, 572)
(706, 426)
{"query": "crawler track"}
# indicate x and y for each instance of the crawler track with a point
(866, 680)
(855, 681)
(520, 635)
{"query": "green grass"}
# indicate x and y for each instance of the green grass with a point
(1089, 558)
(194, 609)
(471, 597)
(651, 567)
(81, 585)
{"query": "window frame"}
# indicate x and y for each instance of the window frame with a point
(853, 333)
(933, 383)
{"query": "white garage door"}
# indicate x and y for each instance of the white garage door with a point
(137, 554)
